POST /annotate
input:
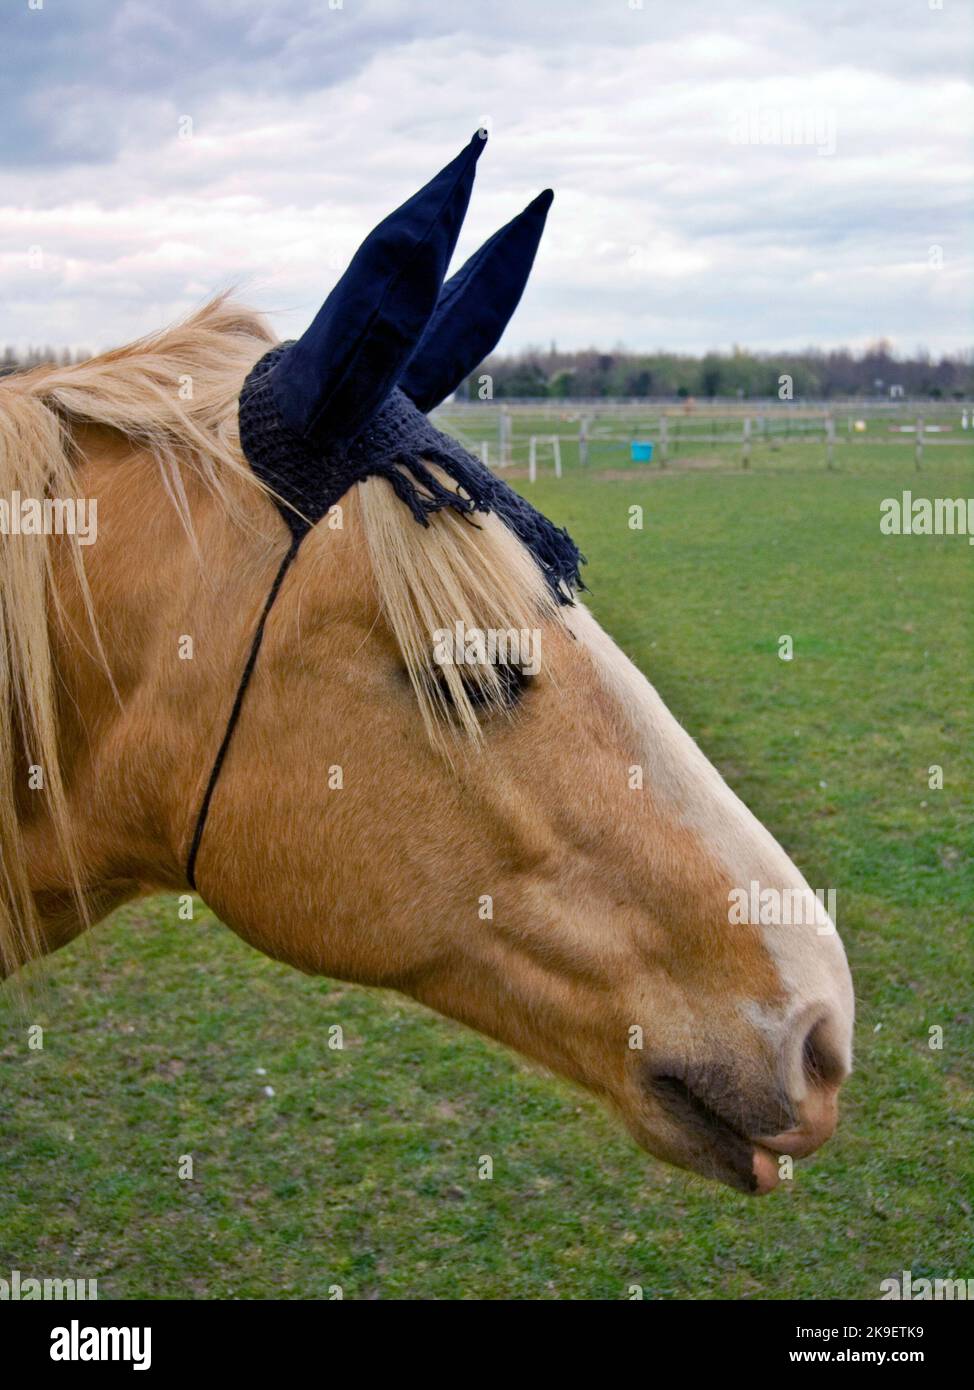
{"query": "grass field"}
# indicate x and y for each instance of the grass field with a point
(360, 1170)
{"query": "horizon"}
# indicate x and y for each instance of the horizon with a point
(30, 353)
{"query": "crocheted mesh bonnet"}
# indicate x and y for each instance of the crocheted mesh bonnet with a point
(398, 444)
(348, 400)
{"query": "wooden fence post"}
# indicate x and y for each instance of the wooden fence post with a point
(556, 443)
(919, 445)
(664, 440)
(583, 425)
(746, 443)
(830, 439)
(533, 459)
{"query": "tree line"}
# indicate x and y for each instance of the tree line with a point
(812, 374)
(13, 361)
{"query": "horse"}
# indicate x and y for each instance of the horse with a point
(546, 856)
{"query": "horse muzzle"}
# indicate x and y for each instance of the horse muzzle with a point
(736, 1123)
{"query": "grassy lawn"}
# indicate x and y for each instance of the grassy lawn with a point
(361, 1169)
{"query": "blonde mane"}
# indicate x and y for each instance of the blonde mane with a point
(174, 396)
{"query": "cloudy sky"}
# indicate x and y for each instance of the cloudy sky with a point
(725, 171)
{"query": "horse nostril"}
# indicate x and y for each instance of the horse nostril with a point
(824, 1066)
(822, 1059)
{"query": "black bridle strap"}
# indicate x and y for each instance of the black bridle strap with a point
(235, 712)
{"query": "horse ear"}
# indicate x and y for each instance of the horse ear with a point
(475, 308)
(338, 374)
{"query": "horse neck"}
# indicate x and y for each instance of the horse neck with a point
(137, 739)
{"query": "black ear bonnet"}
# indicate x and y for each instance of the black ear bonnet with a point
(348, 400)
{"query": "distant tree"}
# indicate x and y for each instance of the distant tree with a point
(711, 376)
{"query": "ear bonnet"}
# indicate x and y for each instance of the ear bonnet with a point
(348, 400)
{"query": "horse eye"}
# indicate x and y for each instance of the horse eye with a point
(513, 681)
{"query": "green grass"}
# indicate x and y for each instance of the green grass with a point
(361, 1169)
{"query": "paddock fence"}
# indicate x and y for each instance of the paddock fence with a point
(532, 438)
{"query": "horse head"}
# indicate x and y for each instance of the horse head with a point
(325, 666)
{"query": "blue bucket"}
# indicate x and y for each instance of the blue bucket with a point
(641, 451)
